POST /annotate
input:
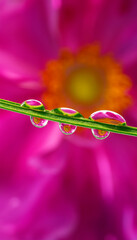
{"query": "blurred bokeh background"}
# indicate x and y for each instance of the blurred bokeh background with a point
(80, 54)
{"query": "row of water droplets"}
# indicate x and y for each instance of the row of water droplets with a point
(103, 116)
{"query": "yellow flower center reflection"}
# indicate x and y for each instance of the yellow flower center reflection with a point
(37, 120)
(86, 81)
(67, 128)
(109, 121)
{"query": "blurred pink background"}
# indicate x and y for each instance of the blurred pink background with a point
(80, 54)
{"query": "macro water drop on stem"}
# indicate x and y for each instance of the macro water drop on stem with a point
(35, 105)
(67, 129)
(105, 116)
(118, 125)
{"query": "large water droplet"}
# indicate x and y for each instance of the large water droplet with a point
(35, 105)
(105, 116)
(67, 129)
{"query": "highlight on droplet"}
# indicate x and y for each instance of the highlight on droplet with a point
(33, 104)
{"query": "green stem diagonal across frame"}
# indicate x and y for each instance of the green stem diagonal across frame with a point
(77, 121)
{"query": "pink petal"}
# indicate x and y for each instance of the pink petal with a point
(32, 40)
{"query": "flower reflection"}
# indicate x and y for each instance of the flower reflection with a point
(67, 187)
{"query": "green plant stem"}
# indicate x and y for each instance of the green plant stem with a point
(81, 122)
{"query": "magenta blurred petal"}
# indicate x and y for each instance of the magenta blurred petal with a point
(32, 40)
(27, 211)
(53, 186)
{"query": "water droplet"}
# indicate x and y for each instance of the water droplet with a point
(67, 129)
(35, 105)
(38, 122)
(105, 116)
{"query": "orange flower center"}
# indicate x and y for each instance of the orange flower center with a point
(86, 81)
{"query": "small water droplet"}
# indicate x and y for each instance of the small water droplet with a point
(105, 116)
(67, 129)
(35, 105)
(38, 122)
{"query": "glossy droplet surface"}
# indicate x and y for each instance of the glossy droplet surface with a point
(35, 105)
(105, 116)
(38, 122)
(67, 129)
